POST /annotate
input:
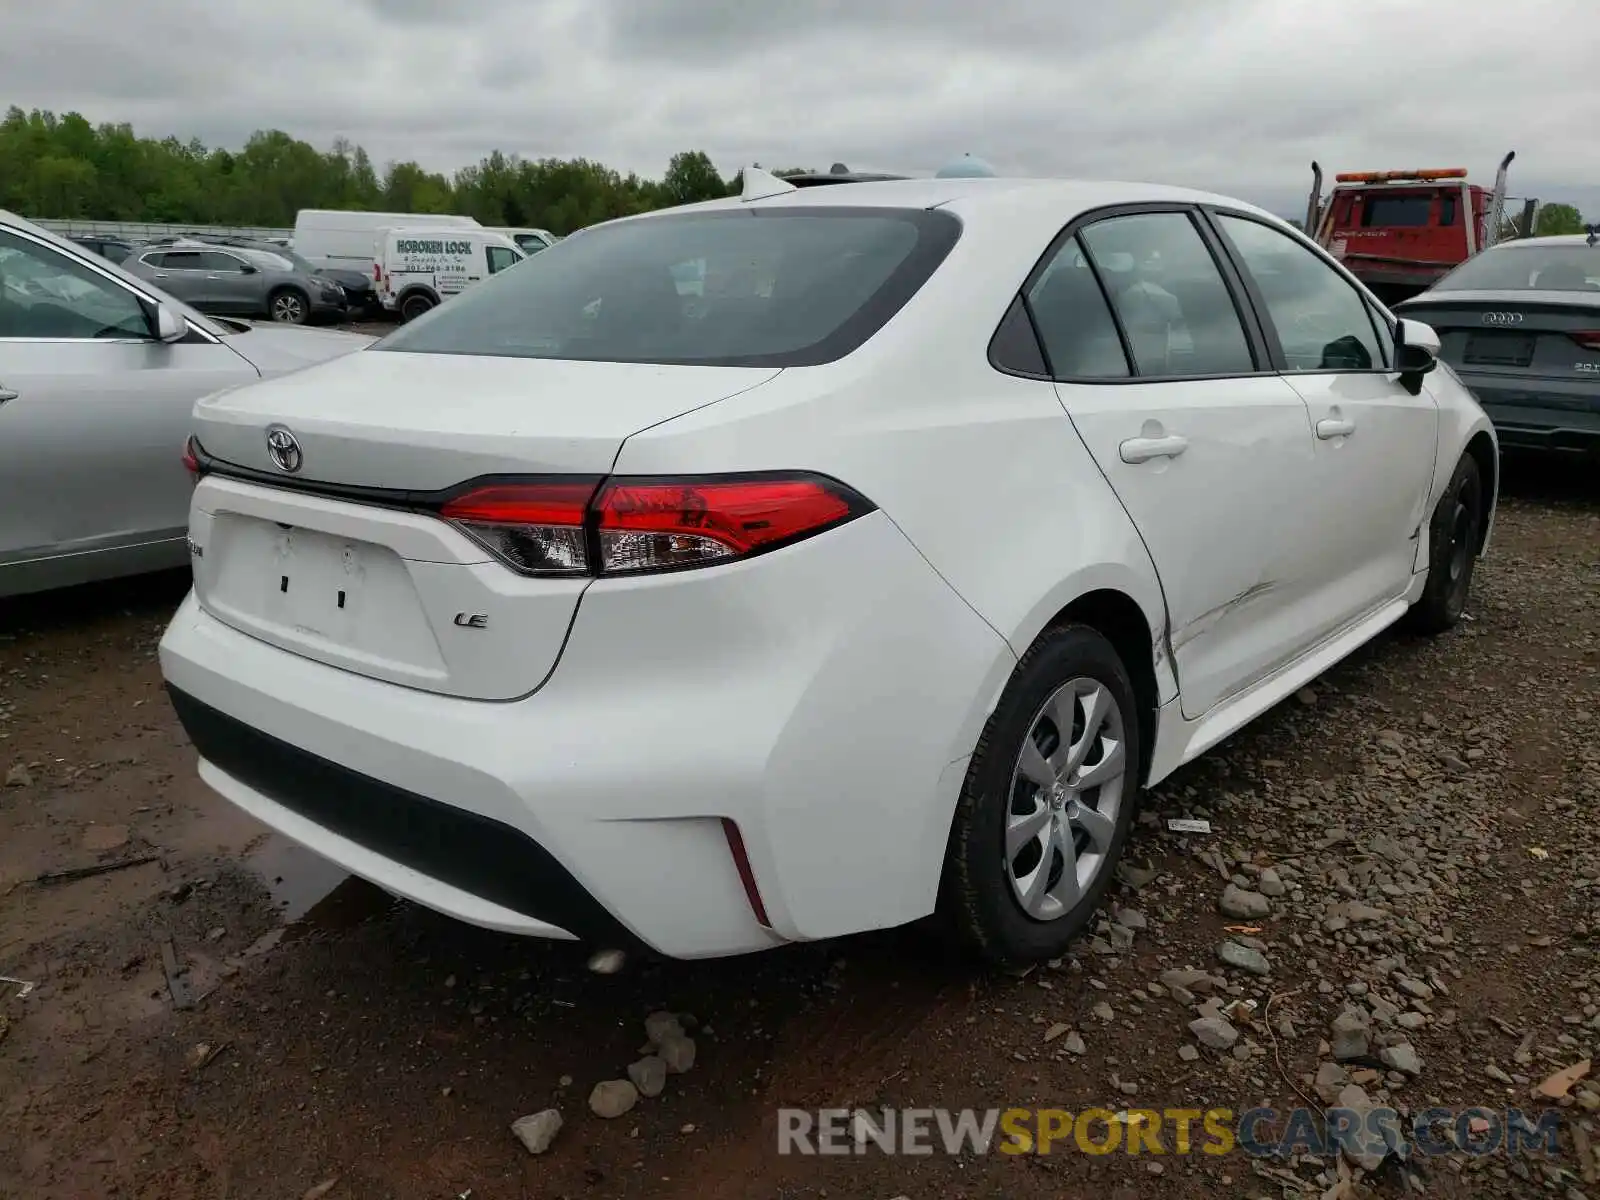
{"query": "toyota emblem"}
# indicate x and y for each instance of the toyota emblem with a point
(284, 449)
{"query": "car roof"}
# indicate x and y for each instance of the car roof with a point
(1540, 243)
(1028, 208)
(1001, 198)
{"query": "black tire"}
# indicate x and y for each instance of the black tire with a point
(289, 306)
(1453, 536)
(978, 899)
(414, 305)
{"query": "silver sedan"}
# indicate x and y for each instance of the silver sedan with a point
(99, 372)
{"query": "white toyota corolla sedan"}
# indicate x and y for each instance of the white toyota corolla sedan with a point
(813, 561)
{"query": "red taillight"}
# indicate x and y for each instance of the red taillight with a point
(566, 527)
(536, 528)
(377, 274)
(191, 464)
(651, 525)
(1589, 339)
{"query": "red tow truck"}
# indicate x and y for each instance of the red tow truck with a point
(1399, 232)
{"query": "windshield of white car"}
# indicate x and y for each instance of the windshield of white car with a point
(1514, 268)
(726, 287)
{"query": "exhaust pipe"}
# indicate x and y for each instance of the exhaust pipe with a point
(1497, 205)
(1530, 212)
(1314, 205)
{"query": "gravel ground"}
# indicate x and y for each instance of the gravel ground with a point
(1396, 907)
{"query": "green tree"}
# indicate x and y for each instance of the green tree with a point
(1555, 219)
(690, 178)
(63, 166)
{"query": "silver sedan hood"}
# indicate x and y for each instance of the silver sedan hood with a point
(275, 349)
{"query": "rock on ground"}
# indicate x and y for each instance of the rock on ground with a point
(649, 1075)
(659, 1026)
(1245, 905)
(612, 1098)
(536, 1132)
(1244, 958)
(1402, 1058)
(677, 1052)
(1216, 1032)
(1350, 1036)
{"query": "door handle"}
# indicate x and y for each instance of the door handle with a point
(1333, 427)
(6, 394)
(1143, 449)
(161, 274)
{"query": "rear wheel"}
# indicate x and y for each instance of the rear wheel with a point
(1048, 801)
(289, 307)
(1453, 537)
(414, 305)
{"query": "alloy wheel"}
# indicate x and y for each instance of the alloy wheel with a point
(1067, 788)
(288, 309)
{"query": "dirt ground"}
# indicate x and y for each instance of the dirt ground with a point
(1421, 823)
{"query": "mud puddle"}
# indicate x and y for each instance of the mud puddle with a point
(309, 893)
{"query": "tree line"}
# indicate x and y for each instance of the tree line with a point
(62, 167)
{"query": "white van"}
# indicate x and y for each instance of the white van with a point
(529, 241)
(415, 269)
(339, 238)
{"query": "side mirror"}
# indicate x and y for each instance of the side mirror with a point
(170, 327)
(1416, 352)
(246, 269)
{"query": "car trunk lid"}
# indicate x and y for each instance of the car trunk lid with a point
(1522, 336)
(345, 559)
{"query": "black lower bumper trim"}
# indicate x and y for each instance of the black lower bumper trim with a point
(1555, 440)
(477, 854)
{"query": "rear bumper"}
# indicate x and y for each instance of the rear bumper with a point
(824, 698)
(1555, 416)
(504, 877)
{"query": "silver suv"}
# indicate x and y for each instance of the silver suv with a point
(236, 281)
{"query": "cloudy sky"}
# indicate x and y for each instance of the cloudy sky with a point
(1236, 95)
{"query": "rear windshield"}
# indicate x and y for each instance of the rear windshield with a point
(1391, 212)
(729, 287)
(1519, 267)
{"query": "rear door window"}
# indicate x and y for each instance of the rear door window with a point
(1074, 321)
(219, 263)
(1173, 304)
(774, 287)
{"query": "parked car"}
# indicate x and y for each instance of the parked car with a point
(361, 296)
(115, 249)
(240, 282)
(1520, 323)
(99, 372)
(873, 580)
